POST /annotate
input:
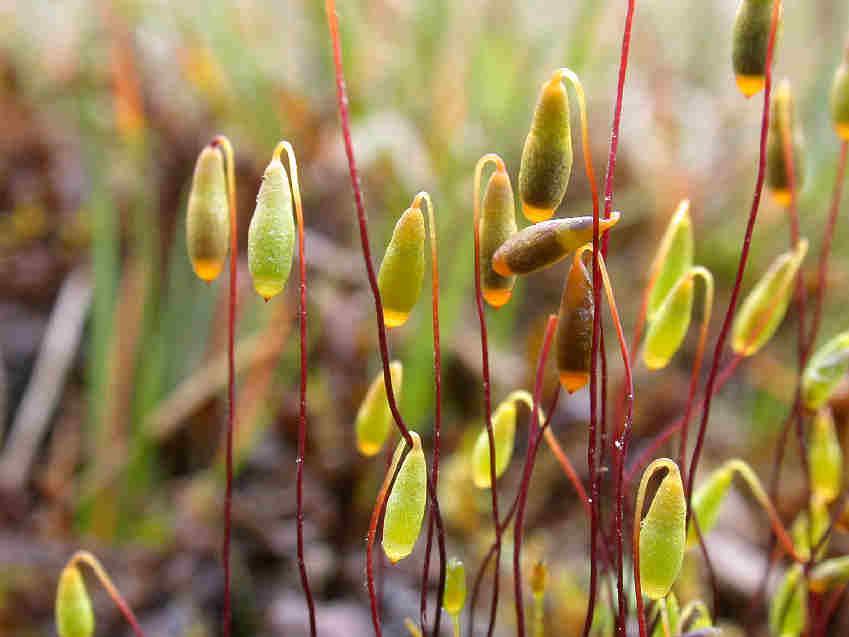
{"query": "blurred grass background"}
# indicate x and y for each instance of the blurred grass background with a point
(111, 435)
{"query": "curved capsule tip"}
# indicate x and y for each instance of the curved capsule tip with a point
(535, 215)
(573, 381)
(495, 297)
(750, 85)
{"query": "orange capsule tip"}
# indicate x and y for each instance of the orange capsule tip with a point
(368, 448)
(207, 269)
(750, 85)
(266, 289)
(534, 214)
(842, 131)
(499, 264)
(573, 381)
(394, 318)
(496, 297)
(782, 197)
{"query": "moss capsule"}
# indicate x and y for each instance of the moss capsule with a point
(765, 306)
(788, 607)
(707, 500)
(497, 225)
(374, 418)
(74, 614)
(271, 236)
(830, 573)
(825, 370)
(803, 532)
(207, 215)
(504, 434)
(405, 507)
(575, 327)
(402, 269)
(670, 324)
(825, 457)
(662, 533)
(674, 257)
(782, 127)
(543, 244)
(547, 155)
(840, 100)
(454, 598)
(750, 40)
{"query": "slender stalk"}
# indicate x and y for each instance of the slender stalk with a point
(84, 557)
(744, 257)
(302, 407)
(226, 149)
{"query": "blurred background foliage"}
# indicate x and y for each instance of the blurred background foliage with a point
(112, 385)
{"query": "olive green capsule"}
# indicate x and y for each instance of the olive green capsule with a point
(749, 44)
(829, 574)
(674, 258)
(825, 457)
(670, 324)
(662, 531)
(454, 598)
(782, 126)
(497, 224)
(707, 500)
(547, 155)
(74, 614)
(840, 100)
(271, 236)
(402, 270)
(405, 506)
(788, 607)
(825, 370)
(575, 327)
(374, 418)
(765, 306)
(805, 534)
(504, 434)
(543, 244)
(207, 215)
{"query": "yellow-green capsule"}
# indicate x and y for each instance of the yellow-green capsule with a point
(74, 614)
(840, 100)
(271, 236)
(497, 224)
(707, 500)
(504, 434)
(803, 533)
(825, 457)
(544, 244)
(783, 119)
(402, 270)
(374, 418)
(454, 598)
(825, 370)
(674, 257)
(788, 607)
(575, 327)
(662, 533)
(405, 507)
(207, 215)
(670, 324)
(547, 155)
(765, 306)
(829, 573)
(749, 45)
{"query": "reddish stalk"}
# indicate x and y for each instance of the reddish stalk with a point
(84, 557)
(744, 257)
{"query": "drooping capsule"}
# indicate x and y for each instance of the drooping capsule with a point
(504, 435)
(547, 155)
(497, 224)
(825, 370)
(765, 306)
(674, 257)
(207, 215)
(825, 457)
(454, 598)
(670, 324)
(749, 45)
(707, 500)
(789, 603)
(74, 614)
(840, 99)
(543, 244)
(402, 269)
(271, 235)
(662, 533)
(374, 418)
(405, 507)
(782, 127)
(575, 327)
(829, 574)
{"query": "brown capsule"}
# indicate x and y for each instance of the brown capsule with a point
(497, 224)
(575, 327)
(545, 243)
(783, 127)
